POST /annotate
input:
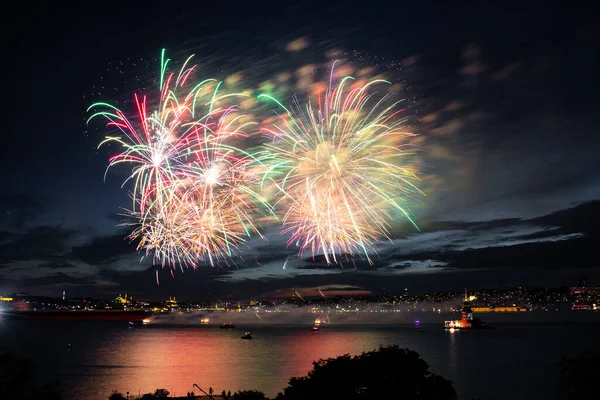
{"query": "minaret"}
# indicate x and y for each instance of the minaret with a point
(64, 294)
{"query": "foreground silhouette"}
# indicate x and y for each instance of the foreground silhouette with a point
(387, 373)
(579, 377)
(17, 380)
(249, 395)
(158, 394)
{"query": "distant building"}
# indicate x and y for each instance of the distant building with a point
(171, 303)
(499, 309)
(123, 300)
(584, 290)
(585, 297)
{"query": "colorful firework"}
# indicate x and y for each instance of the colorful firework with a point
(193, 196)
(340, 167)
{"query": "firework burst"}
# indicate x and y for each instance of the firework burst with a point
(341, 166)
(193, 196)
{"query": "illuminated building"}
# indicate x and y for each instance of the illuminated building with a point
(123, 300)
(6, 298)
(171, 303)
(120, 300)
(467, 321)
(584, 297)
(499, 309)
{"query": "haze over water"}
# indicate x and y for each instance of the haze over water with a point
(515, 360)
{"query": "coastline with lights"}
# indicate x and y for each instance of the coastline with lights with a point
(520, 300)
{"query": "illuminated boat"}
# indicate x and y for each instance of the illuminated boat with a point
(204, 321)
(467, 321)
(247, 336)
(228, 325)
(146, 321)
(315, 329)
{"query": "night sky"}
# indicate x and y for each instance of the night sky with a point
(502, 95)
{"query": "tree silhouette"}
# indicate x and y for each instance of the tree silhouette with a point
(116, 395)
(47, 391)
(16, 380)
(161, 393)
(15, 375)
(390, 372)
(579, 377)
(249, 395)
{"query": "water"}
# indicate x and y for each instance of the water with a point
(516, 360)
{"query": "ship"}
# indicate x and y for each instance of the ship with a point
(78, 315)
(228, 325)
(467, 320)
(247, 336)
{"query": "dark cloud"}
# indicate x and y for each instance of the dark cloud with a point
(435, 226)
(562, 254)
(549, 251)
(58, 278)
(543, 234)
(582, 218)
(400, 266)
(104, 249)
(269, 252)
(5, 235)
(40, 242)
(116, 217)
(56, 264)
(19, 210)
(343, 261)
(451, 249)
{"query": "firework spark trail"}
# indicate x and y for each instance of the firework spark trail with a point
(340, 167)
(193, 196)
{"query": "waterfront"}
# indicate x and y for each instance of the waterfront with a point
(515, 360)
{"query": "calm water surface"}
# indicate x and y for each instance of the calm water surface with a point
(515, 360)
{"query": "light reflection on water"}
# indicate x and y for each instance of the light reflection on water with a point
(103, 356)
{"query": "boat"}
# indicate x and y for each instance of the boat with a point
(204, 321)
(146, 321)
(247, 336)
(315, 329)
(228, 325)
(467, 321)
